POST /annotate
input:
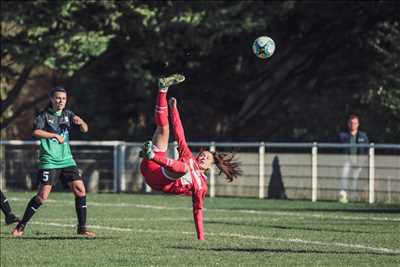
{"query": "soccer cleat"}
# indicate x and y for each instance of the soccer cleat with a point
(82, 231)
(166, 82)
(147, 150)
(11, 218)
(17, 232)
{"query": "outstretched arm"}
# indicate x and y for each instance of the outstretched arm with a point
(198, 199)
(178, 131)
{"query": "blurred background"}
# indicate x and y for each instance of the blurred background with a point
(332, 59)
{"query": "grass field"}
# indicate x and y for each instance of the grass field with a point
(158, 230)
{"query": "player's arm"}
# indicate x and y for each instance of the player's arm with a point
(178, 131)
(47, 135)
(198, 200)
(81, 123)
(39, 131)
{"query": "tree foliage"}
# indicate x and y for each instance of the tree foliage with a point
(332, 59)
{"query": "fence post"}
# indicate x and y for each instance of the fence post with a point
(115, 167)
(212, 173)
(314, 171)
(261, 153)
(121, 168)
(371, 173)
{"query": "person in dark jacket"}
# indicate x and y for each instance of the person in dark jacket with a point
(354, 155)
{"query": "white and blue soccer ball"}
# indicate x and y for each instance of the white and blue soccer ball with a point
(263, 47)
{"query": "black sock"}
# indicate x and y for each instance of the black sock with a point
(31, 208)
(5, 206)
(80, 207)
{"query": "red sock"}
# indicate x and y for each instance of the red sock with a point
(170, 164)
(161, 112)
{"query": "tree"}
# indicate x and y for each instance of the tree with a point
(332, 59)
(52, 34)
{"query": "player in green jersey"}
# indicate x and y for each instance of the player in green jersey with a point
(52, 127)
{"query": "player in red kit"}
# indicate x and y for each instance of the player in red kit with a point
(184, 176)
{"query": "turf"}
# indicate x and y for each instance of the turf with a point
(158, 230)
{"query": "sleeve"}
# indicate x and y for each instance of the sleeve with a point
(366, 141)
(341, 138)
(366, 138)
(40, 122)
(179, 135)
(198, 202)
(70, 115)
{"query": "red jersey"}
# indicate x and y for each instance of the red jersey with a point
(192, 183)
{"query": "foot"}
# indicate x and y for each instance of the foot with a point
(166, 82)
(11, 219)
(84, 232)
(147, 150)
(17, 232)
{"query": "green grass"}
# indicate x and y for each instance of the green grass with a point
(158, 230)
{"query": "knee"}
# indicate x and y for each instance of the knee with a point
(42, 198)
(80, 193)
(79, 190)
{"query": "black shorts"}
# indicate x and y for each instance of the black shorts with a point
(66, 175)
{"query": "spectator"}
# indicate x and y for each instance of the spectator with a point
(354, 156)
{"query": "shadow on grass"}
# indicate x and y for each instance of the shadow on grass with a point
(290, 227)
(294, 251)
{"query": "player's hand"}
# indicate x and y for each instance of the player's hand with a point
(59, 138)
(172, 103)
(77, 120)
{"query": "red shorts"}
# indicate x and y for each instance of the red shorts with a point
(153, 174)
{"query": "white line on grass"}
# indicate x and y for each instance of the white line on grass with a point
(188, 219)
(277, 213)
(234, 235)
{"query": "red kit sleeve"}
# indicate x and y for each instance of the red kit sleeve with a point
(198, 202)
(179, 135)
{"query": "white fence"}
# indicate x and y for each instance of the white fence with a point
(271, 170)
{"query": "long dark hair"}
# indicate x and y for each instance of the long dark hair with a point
(227, 164)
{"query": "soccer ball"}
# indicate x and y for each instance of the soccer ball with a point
(263, 47)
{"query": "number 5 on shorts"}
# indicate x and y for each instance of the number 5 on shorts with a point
(45, 176)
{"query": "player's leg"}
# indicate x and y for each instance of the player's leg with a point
(356, 175)
(344, 182)
(161, 135)
(6, 208)
(35, 203)
(157, 148)
(73, 179)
